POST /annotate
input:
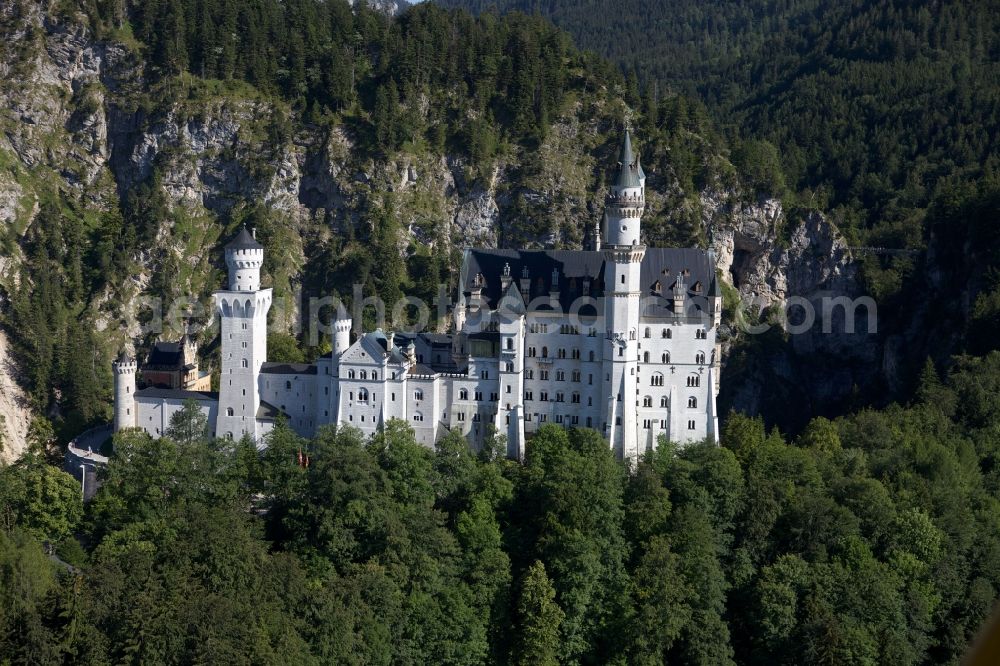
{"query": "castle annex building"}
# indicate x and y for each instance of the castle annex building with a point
(620, 338)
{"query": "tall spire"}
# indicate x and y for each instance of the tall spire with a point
(628, 176)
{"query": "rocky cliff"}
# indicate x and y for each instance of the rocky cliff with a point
(80, 125)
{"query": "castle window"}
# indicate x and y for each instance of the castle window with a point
(665, 358)
(576, 398)
(647, 401)
(590, 356)
(418, 394)
(529, 374)
(692, 402)
(667, 334)
(647, 333)
(350, 374)
(463, 394)
(545, 352)
(663, 401)
(510, 343)
(374, 375)
(621, 351)
(288, 385)
(691, 424)
(229, 411)
(485, 374)
(623, 276)
(364, 375)
(694, 380)
(527, 396)
(562, 353)
(699, 357)
(508, 389)
(246, 363)
(362, 396)
(544, 374)
(645, 357)
(656, 379)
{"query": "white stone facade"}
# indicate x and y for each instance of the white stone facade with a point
(620, 338)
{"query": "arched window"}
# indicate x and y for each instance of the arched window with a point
(545, 352)
(590, 356)
(665, 358)
(374, 375)
(288, 385)
(229, 411)
(363, 395)
(663, 402)
(647, 401)
(656, 379)
(246, 363)
(463, 394)
(350, 374)
(418, 394)
(667, 334)
(694, 380)
(510, 343)
(647, 333)
(364, 374)
(699, 358)
(692, 402)
(645, 357)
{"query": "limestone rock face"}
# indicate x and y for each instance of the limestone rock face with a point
(78, 117)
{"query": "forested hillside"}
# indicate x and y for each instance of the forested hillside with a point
(875, 106)
(138, 136)
(872, 539)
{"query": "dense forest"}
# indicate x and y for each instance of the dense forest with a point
(871, 539)
(876, 107)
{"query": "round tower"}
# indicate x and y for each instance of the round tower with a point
(341, 333)
(627, 199)
(244, 258)
(125, 371)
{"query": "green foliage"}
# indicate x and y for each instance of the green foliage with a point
(539, 618)
(872, 539)
(39, 499)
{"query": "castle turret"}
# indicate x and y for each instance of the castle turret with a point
(124, 369)
(242, 311)
(623, 254)
(341, 332)
(244, 258)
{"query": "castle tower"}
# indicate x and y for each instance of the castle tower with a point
(623, 253)
(124, 369)
(242, 312)
(341, 332)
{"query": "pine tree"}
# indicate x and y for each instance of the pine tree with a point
(539, 618)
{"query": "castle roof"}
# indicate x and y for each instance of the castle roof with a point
(628, 175)
(244, 241)
(563, 272)
(166, 355)
(288, 368)
(178, 394)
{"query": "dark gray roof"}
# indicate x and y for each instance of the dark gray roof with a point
(288, 368)
(660, 265)
(165, 355)
(244, 241)
(179, 394)
(437, 339)
(628, 174)
(267, 411)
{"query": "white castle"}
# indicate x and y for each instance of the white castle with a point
(620, 338)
